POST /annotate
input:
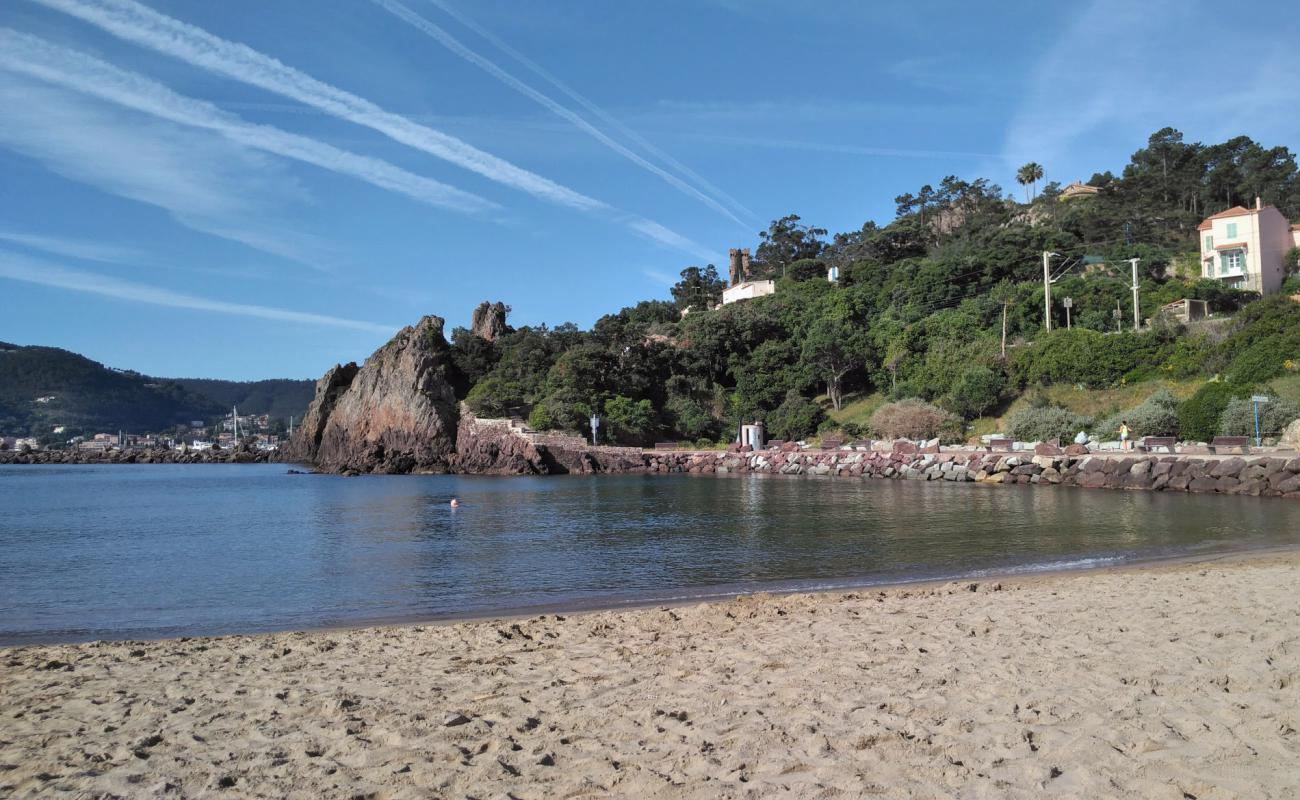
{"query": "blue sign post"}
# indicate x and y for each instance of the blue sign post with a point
(1255, 401)
(595, 426)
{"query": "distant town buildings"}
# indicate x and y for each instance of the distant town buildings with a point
(1246, 247)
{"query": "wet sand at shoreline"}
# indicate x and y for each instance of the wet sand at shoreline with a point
(1167, 681)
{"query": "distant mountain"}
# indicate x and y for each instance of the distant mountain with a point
(281, 398)
(44, 387)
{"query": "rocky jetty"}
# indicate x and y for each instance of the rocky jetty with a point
(398, 413)
(1256, 477)
(159, 456)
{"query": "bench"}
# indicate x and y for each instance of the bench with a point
(861, 444)
(1150, 443)
(665, 445)
(831, 444)
(999, 444)
(1230, 441)
(775, 444)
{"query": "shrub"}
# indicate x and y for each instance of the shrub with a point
(691, 419)
(1155, 416)
(1044, 424)
(1082, 356)
(1264, 336)
(1238, 418)
(1199, 415)
(796, 418)
(853, 430)
(630, 421)
(977, 390)
(912, 419)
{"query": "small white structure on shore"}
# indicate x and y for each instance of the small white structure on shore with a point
(752, 435)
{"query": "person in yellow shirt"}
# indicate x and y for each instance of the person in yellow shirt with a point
(1123, 435)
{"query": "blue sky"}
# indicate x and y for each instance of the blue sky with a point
(247, 189)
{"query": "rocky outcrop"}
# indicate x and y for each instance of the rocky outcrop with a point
(396, 413)
(307, 438)
(489, 320)
(1291, 435)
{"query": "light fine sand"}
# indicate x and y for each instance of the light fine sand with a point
(1171, 682)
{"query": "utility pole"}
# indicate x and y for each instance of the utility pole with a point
(1136, 322)
(1047, 290)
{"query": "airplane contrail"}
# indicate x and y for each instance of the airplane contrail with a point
(141, 25)
(438, 34)
(38, 58)
(591, 107)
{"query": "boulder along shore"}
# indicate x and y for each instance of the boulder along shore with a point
(1171, 682)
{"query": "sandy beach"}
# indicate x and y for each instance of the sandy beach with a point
(1175, 681)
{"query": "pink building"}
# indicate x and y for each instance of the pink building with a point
(1246, 247)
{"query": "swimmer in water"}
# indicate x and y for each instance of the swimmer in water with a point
(455, 503)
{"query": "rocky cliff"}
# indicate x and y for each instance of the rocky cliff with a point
(398, 413)
(395, 413)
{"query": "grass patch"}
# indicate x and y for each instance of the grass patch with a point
(1286, 387)
(858, 409)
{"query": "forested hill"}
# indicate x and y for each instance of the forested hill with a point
(45, 387)
(942, 307)
(280, 398)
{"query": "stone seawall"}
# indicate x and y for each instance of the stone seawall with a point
(1256, 477)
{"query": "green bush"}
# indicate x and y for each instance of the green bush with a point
(1199, 415)
(1238, 418)
(1155, 416)
(1264, 336)
(913, 419)
(629, 421)
(1045, 424)
(1087, 357)
(977, 390)
(796, 418)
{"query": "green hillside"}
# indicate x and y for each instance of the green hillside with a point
(942, 307)
(280, 398)
(42, 387)
(45, 387)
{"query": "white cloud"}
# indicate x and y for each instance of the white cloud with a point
(38, 58)
(453, 44)
(29, 270)
(74, 248)
(205, 182)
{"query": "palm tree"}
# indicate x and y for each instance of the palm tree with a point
(1030, 173)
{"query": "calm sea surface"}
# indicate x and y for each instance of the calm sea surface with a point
(102, 552)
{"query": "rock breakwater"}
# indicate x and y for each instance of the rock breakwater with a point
(1256, 477)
